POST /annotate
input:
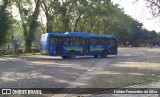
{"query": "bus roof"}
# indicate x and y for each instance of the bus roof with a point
(78, 34)
(81, 34)
(102, 36)
(56, 34)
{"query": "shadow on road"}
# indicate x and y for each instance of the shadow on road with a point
(53, 72)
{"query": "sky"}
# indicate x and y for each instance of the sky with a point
(139, 11)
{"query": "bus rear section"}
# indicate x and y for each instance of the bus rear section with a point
(44, 44)
(55, 44)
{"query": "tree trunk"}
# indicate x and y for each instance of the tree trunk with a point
(29, 28)
(27, 45)
(50, 20)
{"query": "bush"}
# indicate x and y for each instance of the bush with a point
(1, 54)
(8, 52)
(35, 50)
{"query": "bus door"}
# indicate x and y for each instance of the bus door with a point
(59, 44)
(86, 46)
(51, 45)
(113, 48)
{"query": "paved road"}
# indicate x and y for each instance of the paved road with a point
(42, 71)
(130, 67)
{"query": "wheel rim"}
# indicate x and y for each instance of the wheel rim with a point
(72, 55)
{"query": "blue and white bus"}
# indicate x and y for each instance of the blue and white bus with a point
(72, 44)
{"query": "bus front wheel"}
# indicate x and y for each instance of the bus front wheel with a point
(104, 54)
(64, 57)
(71, 55)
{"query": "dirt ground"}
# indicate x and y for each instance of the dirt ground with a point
(132, 66)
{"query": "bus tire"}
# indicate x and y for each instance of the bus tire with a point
(104, 54)
(96, 56)
(71, 55)
(64, 57)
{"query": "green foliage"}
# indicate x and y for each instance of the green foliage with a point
(29, 16)
(92, 16)
(98, 17)
(5, 25)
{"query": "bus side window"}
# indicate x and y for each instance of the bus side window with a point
(52, 40)
(74, 40)
(94, 41)
(71, 41)
(77, 40)
(59, 40)
(107, 41)
(82, 41)
(97, 41)
(66, 40)
(102, 41)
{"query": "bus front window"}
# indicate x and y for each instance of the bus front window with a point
(113, 43)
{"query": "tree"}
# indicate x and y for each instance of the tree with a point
(29, 16)
(5, 23)
(51, 8)
(154, 6)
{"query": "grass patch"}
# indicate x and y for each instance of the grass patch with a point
(157, 80)
(29, 54)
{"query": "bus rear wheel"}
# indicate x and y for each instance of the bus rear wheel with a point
(104, 54)
(64, 57)
(71, 55)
